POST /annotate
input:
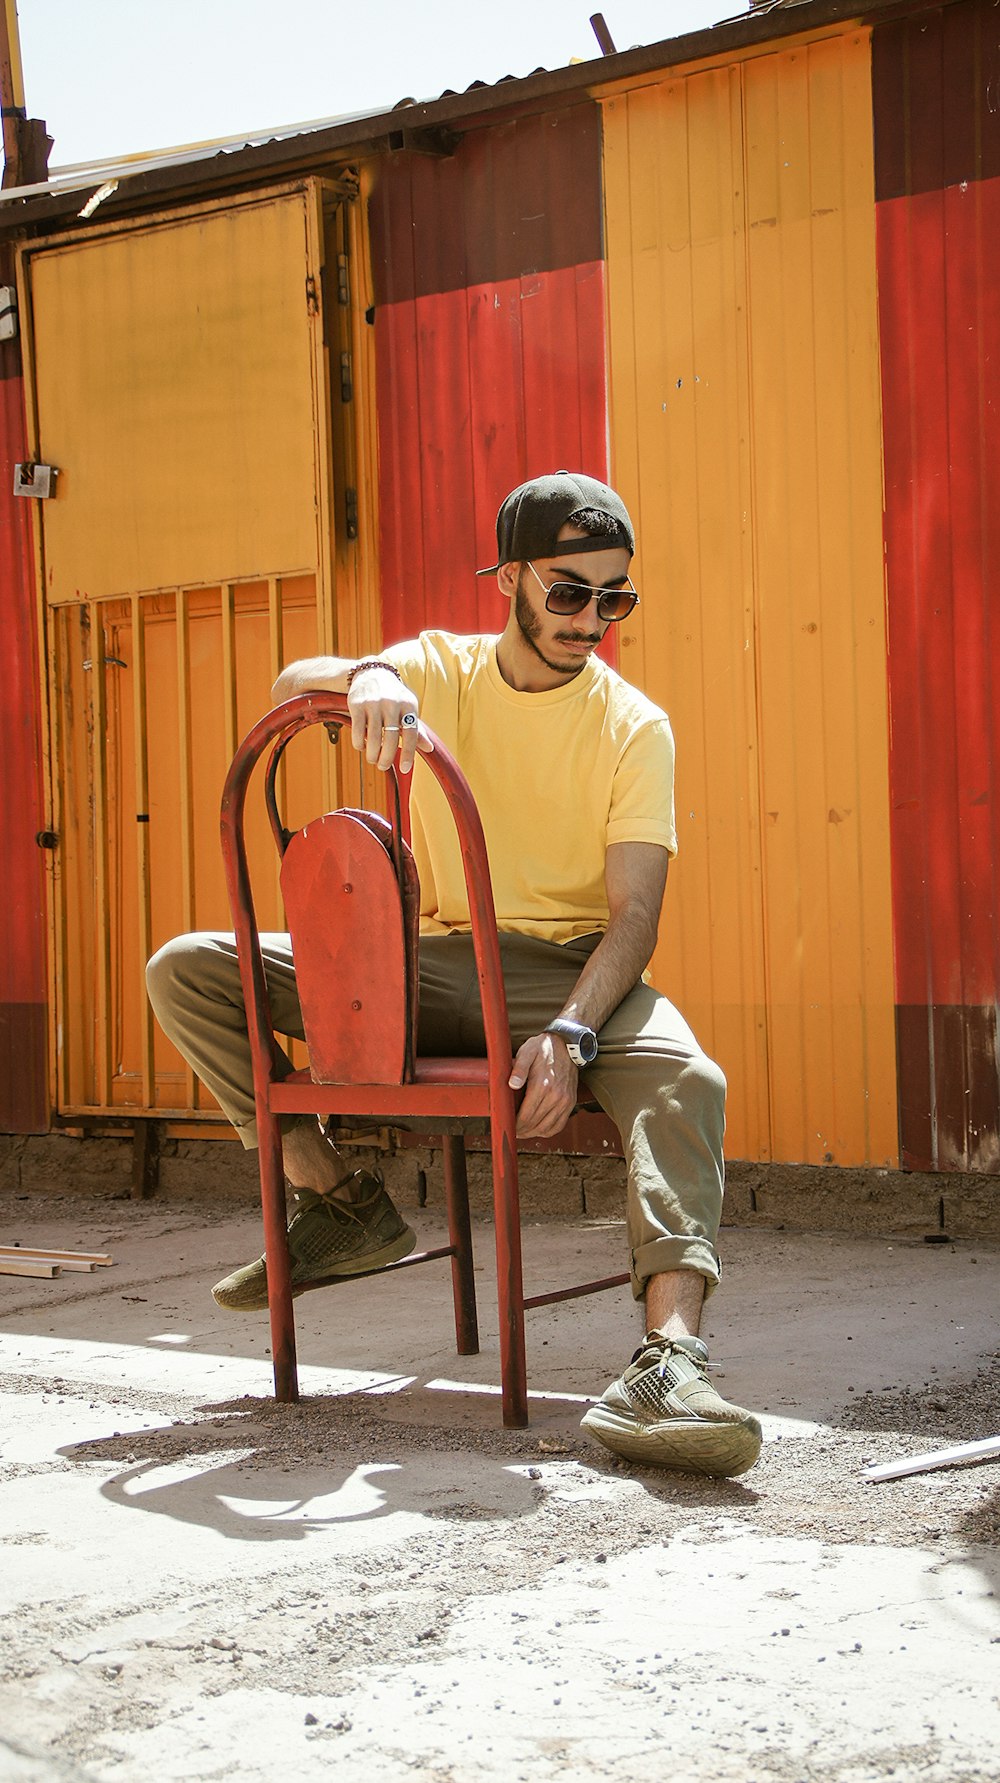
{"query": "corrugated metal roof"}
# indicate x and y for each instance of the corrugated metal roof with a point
(167, 175)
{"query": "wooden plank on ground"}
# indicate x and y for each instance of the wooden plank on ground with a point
(28, 1250)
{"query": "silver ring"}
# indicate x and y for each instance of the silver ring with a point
(390, 727)
(409, 721)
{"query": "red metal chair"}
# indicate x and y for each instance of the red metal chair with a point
(346, 877)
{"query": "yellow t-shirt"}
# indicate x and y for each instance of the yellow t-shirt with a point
(557, 776)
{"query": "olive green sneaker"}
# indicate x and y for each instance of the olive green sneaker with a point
(664, 1412)
(327, 1237)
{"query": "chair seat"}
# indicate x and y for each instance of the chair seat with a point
(448, 1087)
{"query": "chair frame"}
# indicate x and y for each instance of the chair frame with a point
(452, 1091)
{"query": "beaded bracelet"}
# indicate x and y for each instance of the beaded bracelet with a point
(371, 662)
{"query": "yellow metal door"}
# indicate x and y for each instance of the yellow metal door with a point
(746, 433)
(180, 386)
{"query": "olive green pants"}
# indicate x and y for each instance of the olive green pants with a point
(664, 1095)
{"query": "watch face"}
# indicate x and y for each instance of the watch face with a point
(581, 1041)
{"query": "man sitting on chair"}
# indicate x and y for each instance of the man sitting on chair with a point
(572, 771)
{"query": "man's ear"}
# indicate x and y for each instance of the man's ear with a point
(507, 579)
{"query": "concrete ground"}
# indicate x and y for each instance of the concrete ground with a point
(196, 1583)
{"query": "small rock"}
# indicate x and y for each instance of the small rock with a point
(311, 1719)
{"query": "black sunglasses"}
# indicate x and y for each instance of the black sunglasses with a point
(566, 598)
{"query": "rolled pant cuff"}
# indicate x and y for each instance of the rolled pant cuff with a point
(247, 1135)
(662, 1255)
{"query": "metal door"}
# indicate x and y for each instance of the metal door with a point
(179, 384)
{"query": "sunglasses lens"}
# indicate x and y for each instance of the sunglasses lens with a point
(566, 597)
(616, 603)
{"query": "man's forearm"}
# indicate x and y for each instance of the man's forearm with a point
(614, 967)
(325, 673)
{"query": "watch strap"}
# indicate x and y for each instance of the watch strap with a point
(581, 1040)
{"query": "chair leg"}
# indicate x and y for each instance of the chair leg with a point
(510, 1286)
(279, 1278)
(463, 1282)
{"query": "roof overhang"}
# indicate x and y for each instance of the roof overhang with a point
(172, 176)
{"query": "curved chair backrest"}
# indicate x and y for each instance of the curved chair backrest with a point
(354, 922)
(345, 849)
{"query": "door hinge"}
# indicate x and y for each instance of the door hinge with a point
(351, 512)
(346, 378)
(312, 295)
(343, 281)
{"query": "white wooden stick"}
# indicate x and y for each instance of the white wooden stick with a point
(968, 1451)
(29, 1266)
(29, 1250)
(73, 1265)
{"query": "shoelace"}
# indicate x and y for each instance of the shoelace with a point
(702, 1363)
(332, 1205)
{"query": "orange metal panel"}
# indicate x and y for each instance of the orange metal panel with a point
(745, 430)
(822, 714)
(147, 895)
(680, 426)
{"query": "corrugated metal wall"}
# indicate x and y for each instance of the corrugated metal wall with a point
(24, 1101)
(937, 165)
(739, 299)
(745, 432)
(489, 322)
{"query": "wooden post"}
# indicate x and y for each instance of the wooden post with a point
(26, 143)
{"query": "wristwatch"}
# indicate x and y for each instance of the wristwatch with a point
(581, 1041)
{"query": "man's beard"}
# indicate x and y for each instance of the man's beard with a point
(530, 628)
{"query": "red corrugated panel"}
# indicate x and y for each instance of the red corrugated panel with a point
(23, 1042)
(489, 348)
(477, 390)
(938, 137)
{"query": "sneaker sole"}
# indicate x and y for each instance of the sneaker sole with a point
(690, 1445)
(370, 1263)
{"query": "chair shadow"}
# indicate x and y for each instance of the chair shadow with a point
(258, 1471)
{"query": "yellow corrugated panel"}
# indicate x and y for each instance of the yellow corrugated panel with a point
(745, 430)
(174, 391)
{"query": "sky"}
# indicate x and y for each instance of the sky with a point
(119, 77)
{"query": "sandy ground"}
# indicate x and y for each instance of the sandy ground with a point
(196, 1583)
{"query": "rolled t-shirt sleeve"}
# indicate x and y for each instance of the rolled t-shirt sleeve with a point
(411, 661)
(642, 797)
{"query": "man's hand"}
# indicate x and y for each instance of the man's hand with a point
(378, 701)
(545, 1067)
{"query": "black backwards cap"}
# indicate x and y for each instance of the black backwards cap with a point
(528, 523)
